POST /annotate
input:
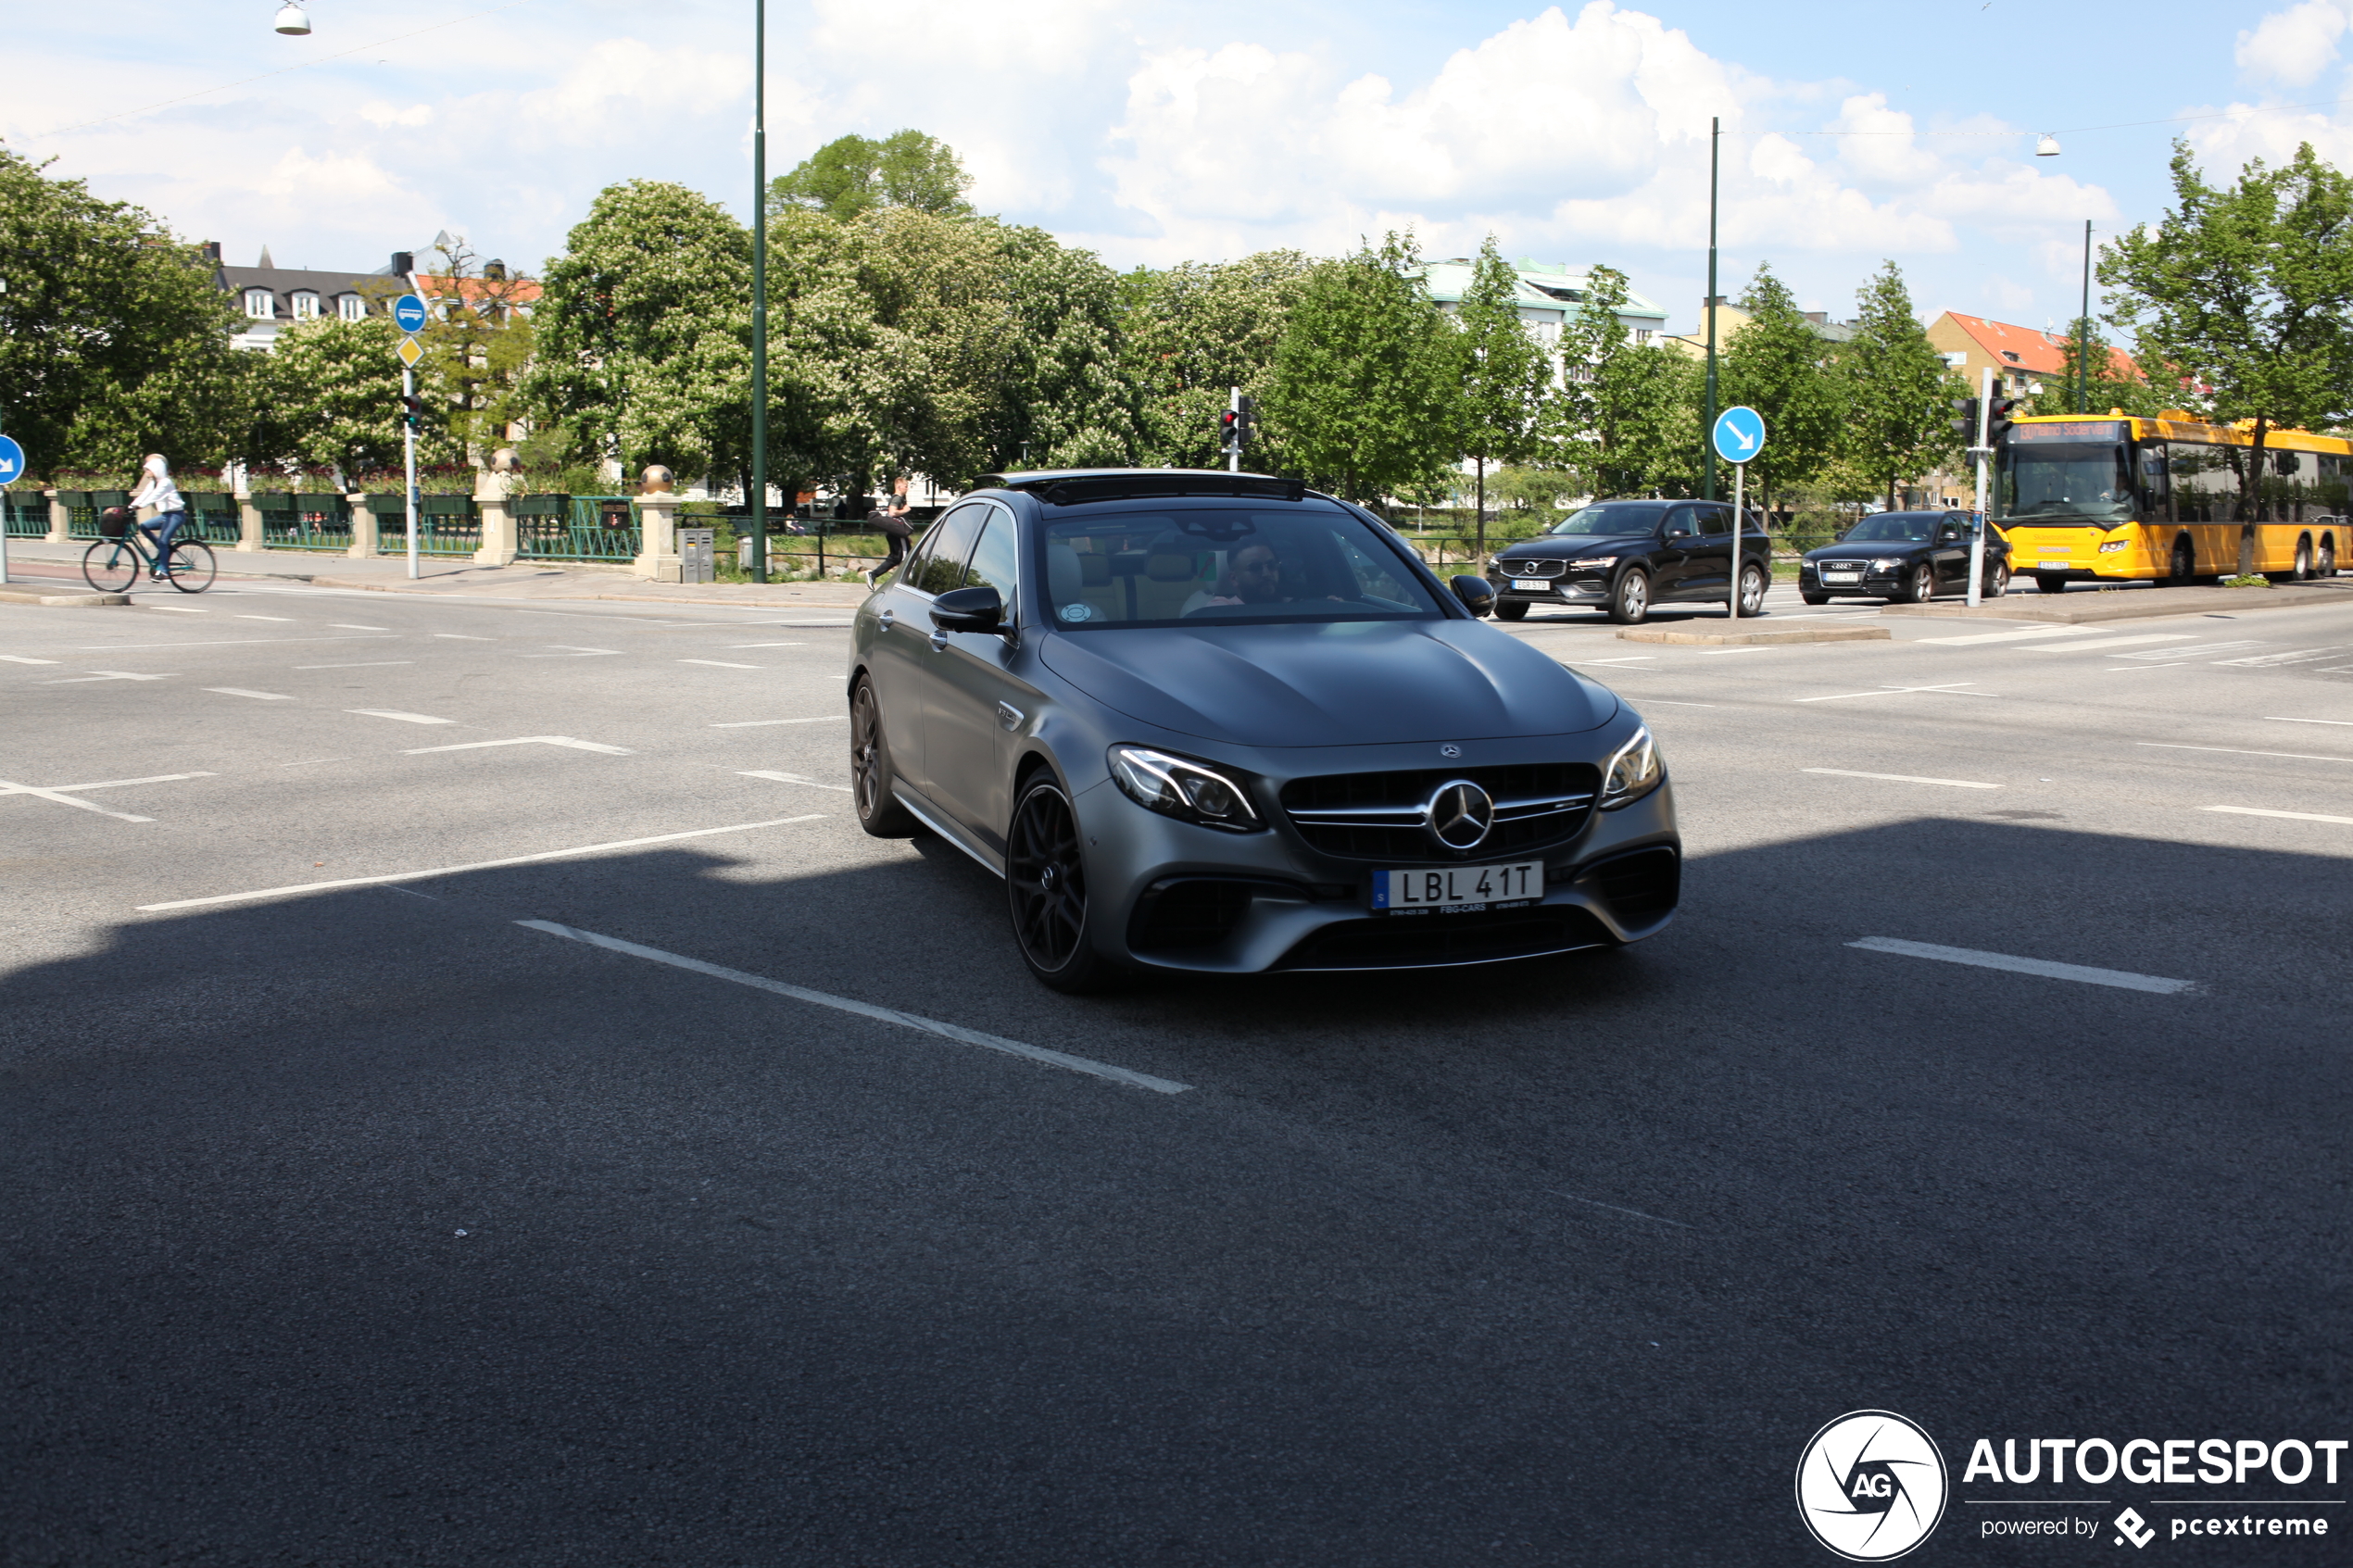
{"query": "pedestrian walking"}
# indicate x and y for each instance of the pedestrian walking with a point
(157, 489)
(896, 528)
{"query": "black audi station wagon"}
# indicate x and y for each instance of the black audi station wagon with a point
(1902, 557)
(1625, 556)
(1219, 722)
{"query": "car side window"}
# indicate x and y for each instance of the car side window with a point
(946, 548)
(1679, 523)
(1714, 521)
(997, 559)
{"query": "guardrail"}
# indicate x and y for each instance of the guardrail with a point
(593, 528)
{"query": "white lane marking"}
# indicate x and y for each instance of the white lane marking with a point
(2108, 642)
(1949, 688)
(104, 675)
(749, 723)
(177, 609)
(793, 779)
(313, 761)
(2124, 980)
(2266, 661)
(1664, 702)
(2240, 751)
(19, 658)
(1976, 637)
(257, 696)
(461, 638)
(1631, 658)
(396, 713)
(526, 740)
(63, 799)
(287, 618)
(2278, 719)
(348, 626)
(2201, 650)
(719, 664)
(1619, 1209)
(2128, 668)
(118, 783)
(476, 866)
(767, 645)
(363, 664)
(866, 1010)
(2291, 816)
(1719, 653)
(571, 652)
(1903, 778)
(211, 642)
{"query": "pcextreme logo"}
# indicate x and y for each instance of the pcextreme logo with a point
(1872, 1486)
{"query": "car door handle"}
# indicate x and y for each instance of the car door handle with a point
(939, 642)
(889, 619)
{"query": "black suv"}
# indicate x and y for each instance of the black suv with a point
(1625, 556)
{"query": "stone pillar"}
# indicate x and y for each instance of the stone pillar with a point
(363, 528)
(658, 538)
(61, 520)
(248, 525)
(493, 490)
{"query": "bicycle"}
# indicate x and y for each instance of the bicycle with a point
(112, 564)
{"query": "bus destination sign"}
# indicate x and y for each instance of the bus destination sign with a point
(2073, 429)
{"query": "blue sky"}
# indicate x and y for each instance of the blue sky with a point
(1153, 132)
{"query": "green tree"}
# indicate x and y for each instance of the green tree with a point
(1364, 386)
(852, 175)
(114, 340)
(477, 349)
(1065, 397)
(1896, 390)
(1777, 365)
(1627, 415)
(328, 397)
(2246, 290)
(2109, 384)
(1195, 331)
(643, 334)
(1505, 375)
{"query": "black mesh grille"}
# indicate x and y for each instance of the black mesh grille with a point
(1185, 916)
(1639, 888)
(1339, 792)
(1395, 942)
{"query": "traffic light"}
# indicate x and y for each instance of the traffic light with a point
(1230, 427)
(1997, 418)
(1965, 420)
(1246, 425)
(415, 405)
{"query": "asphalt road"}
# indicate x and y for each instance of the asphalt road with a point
(367, 1225)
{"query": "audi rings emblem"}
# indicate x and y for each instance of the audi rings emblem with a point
(1459, 815)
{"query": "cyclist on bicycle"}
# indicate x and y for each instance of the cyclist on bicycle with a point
(157, 489)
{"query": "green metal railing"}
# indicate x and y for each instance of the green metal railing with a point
(213, 519)
(446, 525)
(27, 513)
(83, 507)
(577, 528)
(304, 522)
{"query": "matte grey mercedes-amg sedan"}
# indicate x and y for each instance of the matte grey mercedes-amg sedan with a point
(1222, 724)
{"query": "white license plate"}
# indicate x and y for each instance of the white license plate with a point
(2053, 565)
(1535, 585)
(1455, 890)
(1842, 571)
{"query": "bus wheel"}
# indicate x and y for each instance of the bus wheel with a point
(2051, 585)
(2328, 557)
(2184, 565)
(2304, 572)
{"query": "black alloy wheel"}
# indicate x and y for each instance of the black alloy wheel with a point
(1751, 591)
(2051, 583)
(1997, 581)
(879, 811)
(1921, 586)
(1630, 601)
(1046, 890)
(2183, 565)
(1511, 609)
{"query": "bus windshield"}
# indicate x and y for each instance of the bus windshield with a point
(2087, 483)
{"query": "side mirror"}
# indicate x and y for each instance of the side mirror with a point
(968, 610)
(1476, 594)
(1946, 535)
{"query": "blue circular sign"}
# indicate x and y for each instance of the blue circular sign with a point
(1739, 434)
(409, 313)
(11, 461)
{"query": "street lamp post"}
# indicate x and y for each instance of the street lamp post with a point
(759, 496)
(1715, 140)
(2083, 328)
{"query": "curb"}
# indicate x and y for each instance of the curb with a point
(507, 591)
(12, 595)
(2132, 604)
(1765, 635)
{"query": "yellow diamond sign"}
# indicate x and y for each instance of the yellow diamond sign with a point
(411, 353)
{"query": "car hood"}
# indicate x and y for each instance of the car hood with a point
(1344, 684)
(1556, 547)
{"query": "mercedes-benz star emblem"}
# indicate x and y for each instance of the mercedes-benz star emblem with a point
(1449, 749)
(1459, 814)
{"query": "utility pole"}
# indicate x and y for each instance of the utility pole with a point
(1715, 141)
(2083, 328)
(408, 438)
(1981, 451)
(759, 496)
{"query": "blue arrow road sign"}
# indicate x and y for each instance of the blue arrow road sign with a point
(1739, 434)
(11, 461)
(409, 313)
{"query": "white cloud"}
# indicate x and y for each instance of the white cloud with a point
(2292, 47)
(383, 115)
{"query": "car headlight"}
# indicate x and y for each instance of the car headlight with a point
(1633, 772)
(1594, 560)
(1180, 787)
(1887, 563)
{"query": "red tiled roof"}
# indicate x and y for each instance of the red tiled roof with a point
(2030, 348)
(522, 291)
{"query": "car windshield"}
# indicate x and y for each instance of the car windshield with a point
(1182, 566)
(1613, 518)
(1912, 527)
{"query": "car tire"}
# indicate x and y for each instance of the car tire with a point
(1814, 598)
(879, 811)
(1920, 586)
(1752, 590)
(1046, 891)
(2050, 584)
(1997, 581)
(1629, 598)
(1511, 609)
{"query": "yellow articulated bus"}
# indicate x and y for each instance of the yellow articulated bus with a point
(2130, 500)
